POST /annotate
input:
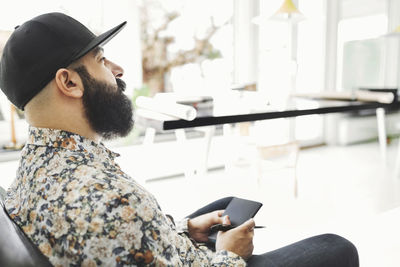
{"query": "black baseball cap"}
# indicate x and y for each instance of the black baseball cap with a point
(38, 48)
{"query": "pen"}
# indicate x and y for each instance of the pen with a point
(226, 227)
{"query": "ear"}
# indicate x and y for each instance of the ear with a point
(69, 83)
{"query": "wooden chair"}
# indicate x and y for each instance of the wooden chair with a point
(274, 157)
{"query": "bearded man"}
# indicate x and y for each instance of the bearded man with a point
(70, 197)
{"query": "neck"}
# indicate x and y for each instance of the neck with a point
(86, 132)
(54, 110)
(68, 119)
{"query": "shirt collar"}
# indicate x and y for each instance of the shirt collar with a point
(66, 140)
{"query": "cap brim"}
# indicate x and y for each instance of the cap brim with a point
(102, 39)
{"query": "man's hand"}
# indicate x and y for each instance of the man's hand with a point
(238, 240)
(199, 227)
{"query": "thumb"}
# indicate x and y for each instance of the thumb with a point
(220, 212)
(226, 220)
(249, 224)
(217, 217)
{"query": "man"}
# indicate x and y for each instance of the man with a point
(72, 200)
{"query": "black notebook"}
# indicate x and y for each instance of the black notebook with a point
(239, 210)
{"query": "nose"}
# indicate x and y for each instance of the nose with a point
(116, 70)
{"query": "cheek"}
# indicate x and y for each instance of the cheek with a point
(109, 76)
(105, 74)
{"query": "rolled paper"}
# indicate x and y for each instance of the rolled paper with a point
(381, 97)
(360, 95)
(348, 95)
(180, 111)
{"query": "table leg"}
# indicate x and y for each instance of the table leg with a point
(149, 136)
(185, 152)
(228, 141)
(208, 134)
(397, 164)
(380, 116)
(148, 142)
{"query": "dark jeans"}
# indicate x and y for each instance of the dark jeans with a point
(326, 250)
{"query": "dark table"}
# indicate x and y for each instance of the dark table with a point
(316, 107)
(324, 107)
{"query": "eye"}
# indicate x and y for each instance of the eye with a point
(103, 59)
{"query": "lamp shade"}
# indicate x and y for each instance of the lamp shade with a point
(288, 11)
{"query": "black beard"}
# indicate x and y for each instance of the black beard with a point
(108, 110)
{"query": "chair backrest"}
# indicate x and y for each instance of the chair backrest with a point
(290, 149)
(15, 247)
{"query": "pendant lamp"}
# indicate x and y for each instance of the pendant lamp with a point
(287, 12)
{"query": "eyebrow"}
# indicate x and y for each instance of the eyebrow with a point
(97, 50)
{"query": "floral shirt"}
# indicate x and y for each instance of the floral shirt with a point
(76, 204)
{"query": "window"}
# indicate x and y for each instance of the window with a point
(358, 43)
(211, 75)
(277, 67)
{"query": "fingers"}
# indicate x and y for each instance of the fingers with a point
(247, 226)
(238, 240)
(219, 218)
(216, 216)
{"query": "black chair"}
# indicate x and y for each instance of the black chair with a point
(15, 247)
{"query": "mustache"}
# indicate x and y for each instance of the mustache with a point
(121, 84)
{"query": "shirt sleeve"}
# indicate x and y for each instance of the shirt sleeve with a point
(222, 257)
(130, 229)
(227, 258)
(182, 226)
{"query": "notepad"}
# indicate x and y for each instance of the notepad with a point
(239, 211)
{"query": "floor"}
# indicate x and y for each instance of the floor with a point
(344, 190)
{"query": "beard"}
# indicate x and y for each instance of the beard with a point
(108, 110)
